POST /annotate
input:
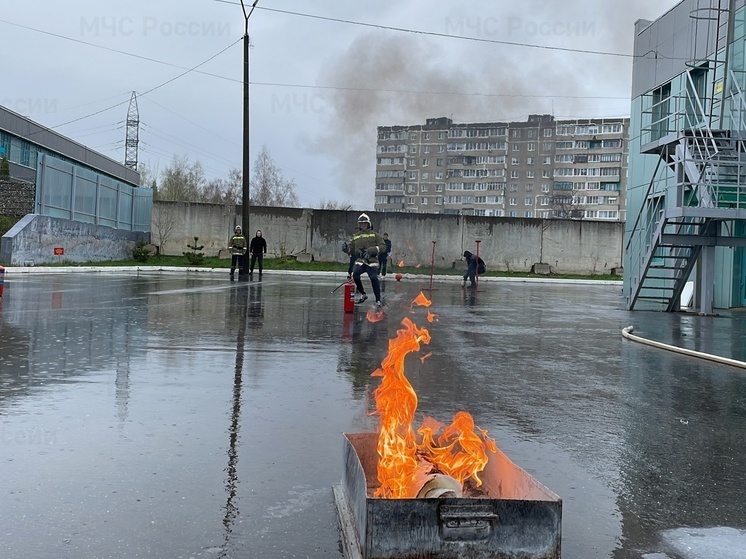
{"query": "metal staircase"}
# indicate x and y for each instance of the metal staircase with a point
(698, 189)
(676, 224)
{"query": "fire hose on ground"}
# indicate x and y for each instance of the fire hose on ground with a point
(627, 333)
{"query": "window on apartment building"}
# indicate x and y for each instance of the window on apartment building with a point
(546, 160)
(593, 185)
(441, 148)
(544, 200)
(529, 187)
(426, 135)
(609, 200)
(439, 175)
(529, 161)
(515, 133)
(513, 174)
(531, 146)
(611, 128)
(412, 149)
(565, 130)
(513, 213)
(516, 147)
(412, 175)
(425, 149)
(546, 146)
(425, 162)
(442, 135)
(610, 157)
(425, 176)
(438, 200)
(528, 213)
(529, 174)
(413, 136)
(546, 173)
(439, 187)
(513, 202)
(547, 132)
(513, 187)
(612, 143)
(531, 133)
(565, 145)
(411, 162)
(529, 201)
(514, 161)
(544, 187)
(423, 201)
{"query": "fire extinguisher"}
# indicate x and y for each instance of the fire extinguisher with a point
(2, 279)
(349, 295)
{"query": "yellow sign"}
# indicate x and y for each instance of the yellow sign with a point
(719, 86)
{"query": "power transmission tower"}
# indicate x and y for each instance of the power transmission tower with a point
(133, 134)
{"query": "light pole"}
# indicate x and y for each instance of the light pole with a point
(246, 137)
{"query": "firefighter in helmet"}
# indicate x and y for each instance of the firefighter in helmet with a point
(365, 246)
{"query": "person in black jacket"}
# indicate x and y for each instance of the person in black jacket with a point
(257, 248)
(471, 270)
(383, 256)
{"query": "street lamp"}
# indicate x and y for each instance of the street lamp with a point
(246, 137)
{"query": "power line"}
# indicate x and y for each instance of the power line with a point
(445, 35)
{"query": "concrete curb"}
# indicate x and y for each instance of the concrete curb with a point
(197, 270)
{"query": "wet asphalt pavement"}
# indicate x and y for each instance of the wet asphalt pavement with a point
(180, 416)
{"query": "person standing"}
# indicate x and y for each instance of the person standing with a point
(365, 246)
(383, 257)
(237, 246)
(258, 249)
(472, 264)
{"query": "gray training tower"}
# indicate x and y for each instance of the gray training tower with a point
(133, 133)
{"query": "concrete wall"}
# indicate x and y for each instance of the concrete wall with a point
(34, 240)
(514, 244)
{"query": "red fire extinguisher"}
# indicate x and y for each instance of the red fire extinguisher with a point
(2, 279)
(349, 295)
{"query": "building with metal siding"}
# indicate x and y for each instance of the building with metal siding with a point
(22, 140)
(72, 181)
(686, 193)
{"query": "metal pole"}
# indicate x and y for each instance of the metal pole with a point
(432, 267)
(246, 138)
(476, 274)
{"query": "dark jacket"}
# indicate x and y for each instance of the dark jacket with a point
(258, 246)
(471, 262)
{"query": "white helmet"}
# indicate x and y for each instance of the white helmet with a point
(363, 219)
(237, 229)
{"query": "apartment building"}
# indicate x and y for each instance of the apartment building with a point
(542, 168)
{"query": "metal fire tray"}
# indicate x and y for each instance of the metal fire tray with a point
(518, 518)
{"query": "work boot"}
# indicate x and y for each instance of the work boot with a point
(378, 305)
(362, 299)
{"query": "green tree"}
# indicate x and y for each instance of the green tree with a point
(182, 181)
(4, 168)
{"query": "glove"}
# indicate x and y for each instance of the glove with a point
(345, 248)
(372, 251)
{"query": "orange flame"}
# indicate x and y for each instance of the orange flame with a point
(459, 450)
(401, 263)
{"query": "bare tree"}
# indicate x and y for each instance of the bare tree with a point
(163, 222)
(565, 205)
(334, 205)
(269, 186)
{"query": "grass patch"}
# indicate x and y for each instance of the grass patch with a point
(6, 222)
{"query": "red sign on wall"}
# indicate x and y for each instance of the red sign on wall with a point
(59, 251)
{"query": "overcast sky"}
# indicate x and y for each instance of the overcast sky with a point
(320, 87)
